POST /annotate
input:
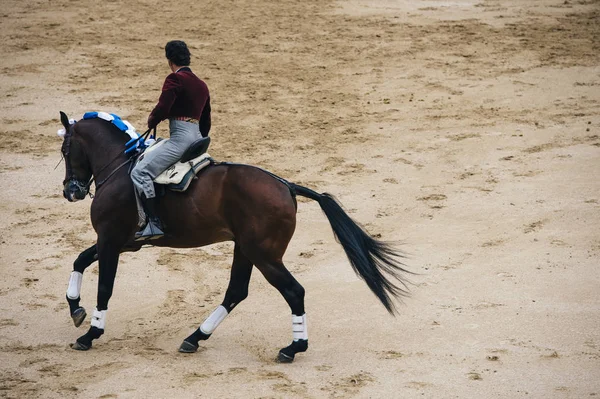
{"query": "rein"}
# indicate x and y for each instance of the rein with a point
(70, 177)
(98, 184)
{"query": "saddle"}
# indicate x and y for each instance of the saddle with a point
(178, 176)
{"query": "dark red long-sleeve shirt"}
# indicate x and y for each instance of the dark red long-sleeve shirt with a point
(183, 94)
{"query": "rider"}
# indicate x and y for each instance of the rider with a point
(185, 102)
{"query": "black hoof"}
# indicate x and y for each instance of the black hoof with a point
(283, 358)
(78, 346)
(78, 316)
(84, 342)
(287, 354)
(188, 347)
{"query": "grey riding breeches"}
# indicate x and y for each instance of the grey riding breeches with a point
(183, 134)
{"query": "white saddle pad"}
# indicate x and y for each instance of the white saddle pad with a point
(176, 172)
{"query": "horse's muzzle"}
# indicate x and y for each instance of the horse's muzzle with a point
(74, 190)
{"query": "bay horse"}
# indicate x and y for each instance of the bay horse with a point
(227, 202)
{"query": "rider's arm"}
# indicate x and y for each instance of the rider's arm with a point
(205, 119)
(170, 89)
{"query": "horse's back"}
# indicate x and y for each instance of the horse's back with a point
(231, 202)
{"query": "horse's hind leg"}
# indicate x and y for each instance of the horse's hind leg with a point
(293, 293)
(84, 259)
(237, 291)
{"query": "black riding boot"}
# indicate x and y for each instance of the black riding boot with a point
(153, 228)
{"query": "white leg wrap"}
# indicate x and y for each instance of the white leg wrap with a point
(74, 285)
(99, 319)
(215, 318)
(299, 327)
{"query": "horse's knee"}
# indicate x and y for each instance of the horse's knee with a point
(241, 294)
(234, 297)
(85, 259)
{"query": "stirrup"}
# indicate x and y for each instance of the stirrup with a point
(151, 231)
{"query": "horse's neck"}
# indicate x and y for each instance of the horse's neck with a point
(104, 149)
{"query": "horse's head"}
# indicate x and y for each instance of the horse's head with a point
(78, 171)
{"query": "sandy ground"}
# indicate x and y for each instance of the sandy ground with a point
(468, 130)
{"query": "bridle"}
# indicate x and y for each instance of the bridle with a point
(66, 152)
(85, 187)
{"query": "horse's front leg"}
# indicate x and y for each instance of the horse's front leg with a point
(108, 259)
(84, 259)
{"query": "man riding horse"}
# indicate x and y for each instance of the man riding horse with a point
(244, 204)
(185, 101)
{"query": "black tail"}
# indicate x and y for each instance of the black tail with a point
(371, 259)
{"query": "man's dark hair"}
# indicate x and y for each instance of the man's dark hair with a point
(178, 53)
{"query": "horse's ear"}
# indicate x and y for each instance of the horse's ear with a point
(65, 120)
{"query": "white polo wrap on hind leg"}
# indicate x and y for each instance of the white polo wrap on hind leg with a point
(213, 321)
(99, 319)
(299, 327)
(74, 285)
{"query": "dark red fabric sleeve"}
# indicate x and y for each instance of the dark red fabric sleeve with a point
(170, 89)
(205, 119)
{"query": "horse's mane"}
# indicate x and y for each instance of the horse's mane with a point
(101, 126)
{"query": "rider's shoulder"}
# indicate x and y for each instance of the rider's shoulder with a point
(173, 78)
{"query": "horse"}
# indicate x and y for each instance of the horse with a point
(227, 202)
